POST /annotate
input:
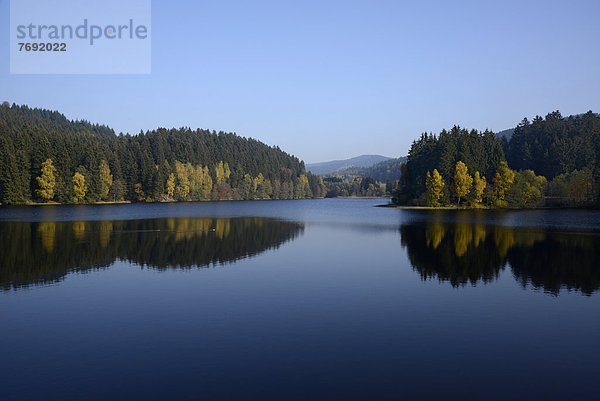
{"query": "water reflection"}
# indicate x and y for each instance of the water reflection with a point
(43, 252)
(468, 253)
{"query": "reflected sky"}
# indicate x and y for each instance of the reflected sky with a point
(459, 247)
(340, 300)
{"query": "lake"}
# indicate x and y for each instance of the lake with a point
(307, 299)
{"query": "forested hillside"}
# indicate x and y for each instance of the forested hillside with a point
(46, 157)
(556, 145)
(332, 166)
(387, 170)
(378, 180)
(552, 161)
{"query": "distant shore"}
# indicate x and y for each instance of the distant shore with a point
(405, 207)
(393, 206)
(70, 204)
(360, 197)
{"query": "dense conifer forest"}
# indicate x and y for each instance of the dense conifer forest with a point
(551, 161)
(45, 157)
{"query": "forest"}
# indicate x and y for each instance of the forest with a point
(379, 180)
(45, 157)
(551, 161)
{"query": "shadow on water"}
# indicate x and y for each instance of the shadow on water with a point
(45, 252)
(464, 253)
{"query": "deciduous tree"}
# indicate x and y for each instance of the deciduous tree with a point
(47, 180)
(106, 179)
(479, 184)
(503, 180)
(79, 187)
(462, 181)
(170, 187)
(435, 185)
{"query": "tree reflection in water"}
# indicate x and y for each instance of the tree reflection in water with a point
(46, 252)
(468, 253)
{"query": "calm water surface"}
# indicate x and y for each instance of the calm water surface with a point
(309, 299)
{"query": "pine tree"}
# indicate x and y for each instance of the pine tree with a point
(247, 187)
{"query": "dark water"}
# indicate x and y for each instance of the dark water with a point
(311, 299)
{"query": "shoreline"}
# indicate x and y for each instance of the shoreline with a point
(359, 197)
(125, 202)
(392, 206)
(70, 204)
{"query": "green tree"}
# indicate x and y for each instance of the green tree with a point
(79, 187)
(47, 180)
(139, 192)
(106, 179)
(207, 183)
(117, 191)
(195, 178)
(462, 181)
(247, 187)
(573, 189)
(527, 190)
(503, 180)
(435, 185)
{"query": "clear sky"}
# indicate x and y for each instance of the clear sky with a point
(335, 79)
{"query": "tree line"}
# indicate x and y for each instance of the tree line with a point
(46, 157)
(379, 180)
(358, 186)
(553, 161)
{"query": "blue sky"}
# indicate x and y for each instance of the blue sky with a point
(334, 79)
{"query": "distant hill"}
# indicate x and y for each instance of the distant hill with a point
(340, 165)
(507, 133)
(387, 170)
